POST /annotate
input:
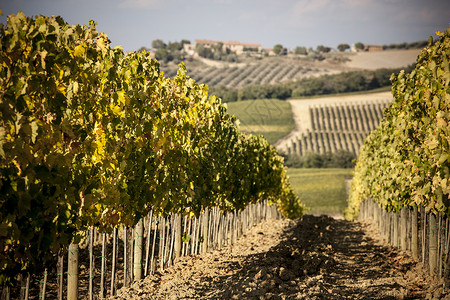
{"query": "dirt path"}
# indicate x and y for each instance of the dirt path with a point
(315, 258)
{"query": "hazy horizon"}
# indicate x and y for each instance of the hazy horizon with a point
(136, 23)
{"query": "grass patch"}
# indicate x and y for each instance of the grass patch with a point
(270, 118)
(365, 92)
(323, 191)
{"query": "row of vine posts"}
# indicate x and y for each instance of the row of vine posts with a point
(425, 235)
(95, 269)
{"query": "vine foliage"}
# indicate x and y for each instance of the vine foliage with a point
(406, 160)
(91, 136)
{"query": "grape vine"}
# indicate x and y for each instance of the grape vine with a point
(91, 136)
(406, 160)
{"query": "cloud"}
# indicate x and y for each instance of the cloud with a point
(139, 3)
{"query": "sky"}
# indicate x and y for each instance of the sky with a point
(133, 24)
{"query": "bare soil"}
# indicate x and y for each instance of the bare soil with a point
(383, 59)
(317, 257)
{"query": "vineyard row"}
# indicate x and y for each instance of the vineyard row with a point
(323, 142)
(425, 235)
(264, 73)
(104, 263)
(405, 161)
(338, 127)
(93, 137)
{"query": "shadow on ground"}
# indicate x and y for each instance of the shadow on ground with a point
(319, 257)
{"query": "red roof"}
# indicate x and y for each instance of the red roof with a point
(230, 43)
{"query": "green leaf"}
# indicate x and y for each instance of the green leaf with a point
(186, 238)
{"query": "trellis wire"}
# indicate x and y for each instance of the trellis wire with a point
(433, 234)
(211, 230)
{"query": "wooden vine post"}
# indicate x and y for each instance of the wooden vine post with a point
(103, 267)
(72, 272)
(60, 278)
(23, 287)
(113, 263)
(205, 230)
(91, 264)
(43, 285)
(162, 233)
(395, 234)
(404, 231)
(147, 252)
(433, 245)
(178, 233)
(125, 257)
(414, 232)
(138, 243)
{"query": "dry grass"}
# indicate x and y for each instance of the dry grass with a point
(383, 59)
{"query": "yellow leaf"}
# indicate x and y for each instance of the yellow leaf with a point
(116, 109)
(79, 50)
(75, 87)
(121, 97)
(18, 167)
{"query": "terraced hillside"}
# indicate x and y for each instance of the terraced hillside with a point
(275, 70)
(270, 70)
(333, 123)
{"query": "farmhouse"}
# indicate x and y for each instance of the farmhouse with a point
(232, 46)
(373, 48)
(189, 49)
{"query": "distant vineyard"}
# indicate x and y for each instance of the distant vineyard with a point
(338, 127)
(263, 72)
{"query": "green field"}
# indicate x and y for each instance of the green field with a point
(323, 191)
(270, 118)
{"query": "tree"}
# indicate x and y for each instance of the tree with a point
(175, 46)
(158, 44)
(185, 42)
(301, 50)
(323, 49)
(343, 47)
(217, 47)
(163, 55)
(277, 49)
(359, 46)
(204, 52)
(142, 49)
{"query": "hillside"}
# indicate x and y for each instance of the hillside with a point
(270, 118)
(274, 70)
(332, 123)
(383, 59)
(320, 124)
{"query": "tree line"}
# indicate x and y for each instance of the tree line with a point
(346, 82)
(339, 159)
